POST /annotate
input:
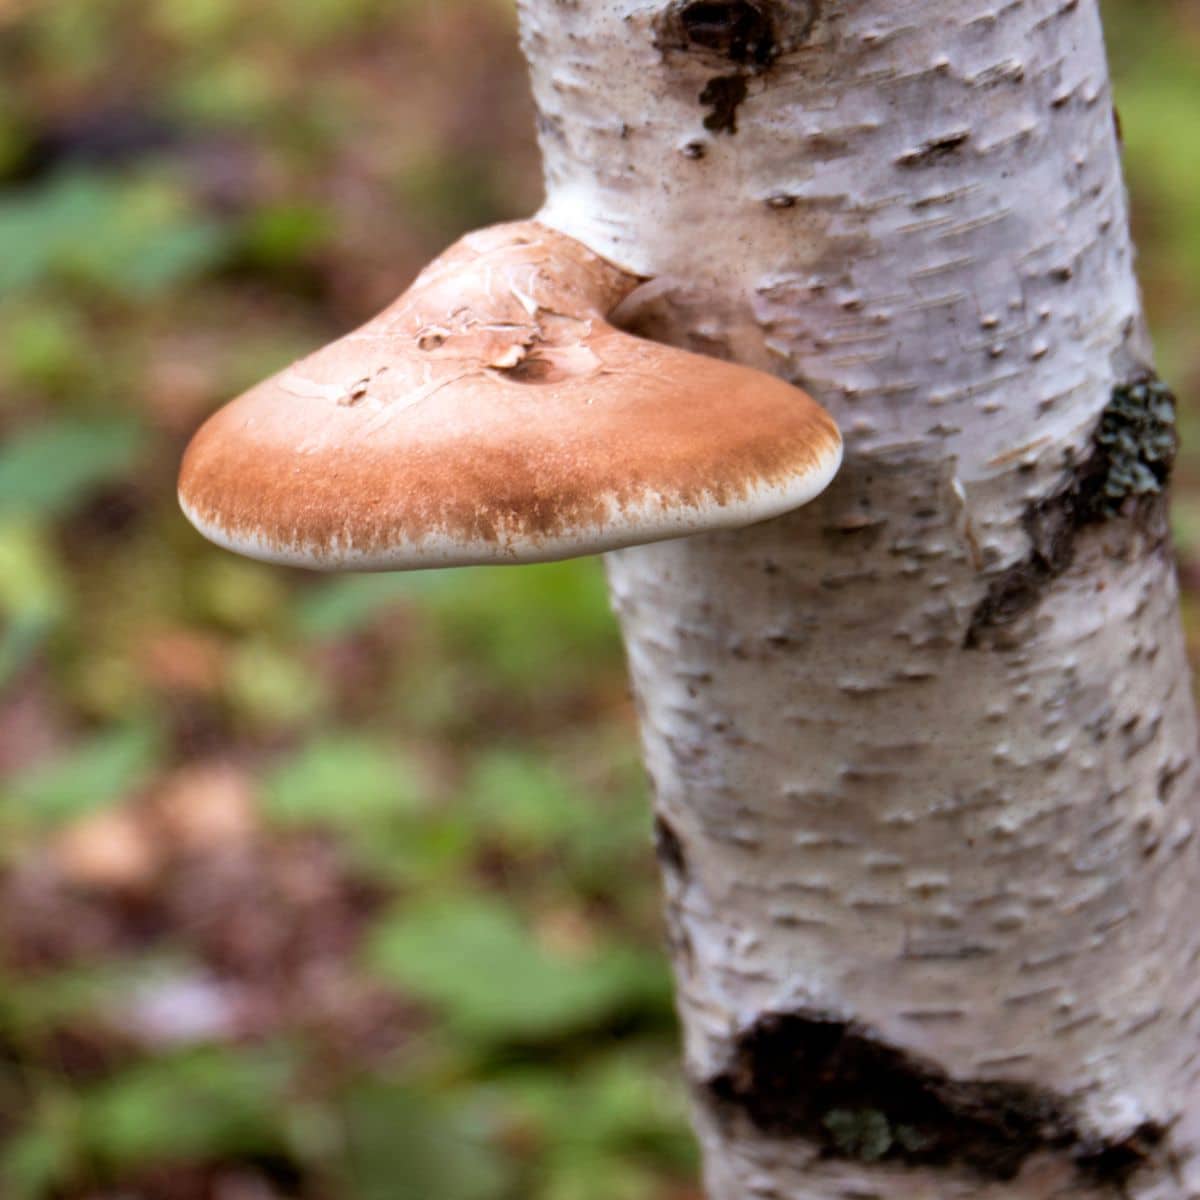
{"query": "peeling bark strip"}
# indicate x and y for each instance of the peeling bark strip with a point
(814, 1077)
(1124, 474)
(980, 859)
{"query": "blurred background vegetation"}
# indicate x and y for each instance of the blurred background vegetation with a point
(332, 889)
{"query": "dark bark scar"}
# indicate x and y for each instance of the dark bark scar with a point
(668, 847)
(724, 94)
(814, 1076)
(747, 35)
(735, 29)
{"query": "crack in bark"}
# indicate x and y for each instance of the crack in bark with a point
(668, 848)
(935, 151)
(1124, 474)
(814, 1076)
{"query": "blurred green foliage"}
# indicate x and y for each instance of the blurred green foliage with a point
(95, 772)
(334, 889)
(403, 1144)
(134, 237)
(46, 471)
(1155, 54)
(471, 960)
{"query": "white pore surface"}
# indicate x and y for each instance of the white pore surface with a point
(625, 525)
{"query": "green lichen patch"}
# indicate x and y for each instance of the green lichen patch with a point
(870, 1135)
(860, 1133)
(1137, 442)
(1124, 475)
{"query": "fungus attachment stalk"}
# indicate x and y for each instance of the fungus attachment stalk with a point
(493, 414)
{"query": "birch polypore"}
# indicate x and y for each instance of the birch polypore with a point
(923, 752)
(493, 414)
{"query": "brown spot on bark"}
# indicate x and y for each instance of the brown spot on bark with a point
(814, 1076)
(724, 94)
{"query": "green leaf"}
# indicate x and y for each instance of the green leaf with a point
(599, 1178)
(534, 629)
(596, 822)
(240, 593)
(284, 234)
(343, 605)
(33, 597)
(403, 1145)
(174, 255)
(628, 1102)
(523, 800)
(342, 781)
(97, 773)
(51, 468)
(432, 851)
(44, 346)
(490, 978)
(34, 1163)
(611, 1128)
(20, 640)
(134, 236)
(211, 1103)
(270, 687)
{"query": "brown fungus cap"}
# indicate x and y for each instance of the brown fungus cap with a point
(492, 414)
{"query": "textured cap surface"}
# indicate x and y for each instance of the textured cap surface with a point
(493, 415)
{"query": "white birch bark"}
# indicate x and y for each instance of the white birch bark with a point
(924, 751)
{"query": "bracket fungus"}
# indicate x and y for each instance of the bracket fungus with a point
(494, 414)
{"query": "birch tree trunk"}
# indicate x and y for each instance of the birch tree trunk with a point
(924, 752)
